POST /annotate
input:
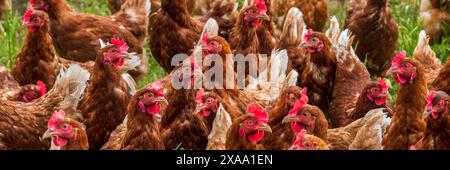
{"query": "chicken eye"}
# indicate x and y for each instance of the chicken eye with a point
(114, 50)
(209, 100)
(250, 122)
(375, 90)
(405, 65)
(307, 145)
(150, 94)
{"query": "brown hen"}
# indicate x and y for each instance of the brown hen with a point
(140, 130)
(436, 115)
(408, 125)
(108, 88)
(376, 33)
(319, 69)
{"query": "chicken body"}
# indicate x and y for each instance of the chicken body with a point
(427, 57)
(408, 125)
(442, 81)
(319, 70)
(6, 79)
(23, 124)
(143, 129)
(376, 33)
(110, 90)
(438, 123)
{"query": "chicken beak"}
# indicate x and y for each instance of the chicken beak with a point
(391, 71)
(162, 100)
(266, 128)
(125, 55)
(427, 112)
(198, 109)
(48, 134)
(264, 17)
(288, 119)
(304, 45)
(25, 24)
(386, 95)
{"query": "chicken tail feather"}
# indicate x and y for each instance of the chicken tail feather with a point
(294, 27)
(130, 65)
(334, 30)
(70, 84)
(210, 29)
(218, 135)
(146, 5)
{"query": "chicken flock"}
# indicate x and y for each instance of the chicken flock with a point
(73, 84)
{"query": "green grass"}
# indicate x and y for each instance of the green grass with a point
(405, 12)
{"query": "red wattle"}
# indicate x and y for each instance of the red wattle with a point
(380, 101)
(205, 113)
(153, 109)
(296, 127)
(59, 141)
(256, 137)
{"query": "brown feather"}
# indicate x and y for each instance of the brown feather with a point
(108, 90)
(143, 130)
(408, 125)
(376, 33)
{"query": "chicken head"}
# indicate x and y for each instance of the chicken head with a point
(402, 70)
(437, 105)
(33, 20)
(254, 127)
(33, 92)
(207, 103)
(151, 101)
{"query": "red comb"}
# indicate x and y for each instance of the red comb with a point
(205, 38)
(42, 87)
(32, 2)
(398, 58)
(300, 102)
(430, 99)
(259, 112)
(382, 82)
(260, 4)
(123, 47)
(27, 15)
(56, 117)
(199, 97)
(308, 33)
(300, 137)
(157, 89)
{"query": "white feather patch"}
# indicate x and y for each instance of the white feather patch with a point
(211, 28)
